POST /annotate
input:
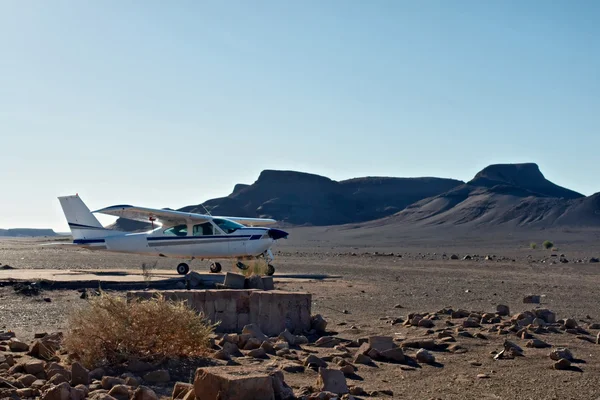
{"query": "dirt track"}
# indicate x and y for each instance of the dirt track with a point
(362, 292)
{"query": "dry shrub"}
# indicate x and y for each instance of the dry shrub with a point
(255, 267)
(110, 330)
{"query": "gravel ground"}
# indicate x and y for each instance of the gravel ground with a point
(362, 291)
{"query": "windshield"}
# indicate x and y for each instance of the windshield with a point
(226, 225)
(179, 230)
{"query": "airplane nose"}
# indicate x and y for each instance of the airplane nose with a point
(276, 234)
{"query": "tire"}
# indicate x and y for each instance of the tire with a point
(183, 269)
(270, 270)
(241, 265)
(215, 267)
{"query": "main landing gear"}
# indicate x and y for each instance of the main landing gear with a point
(215, 267)
(183, 269)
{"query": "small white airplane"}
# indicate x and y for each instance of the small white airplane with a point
(178, 234)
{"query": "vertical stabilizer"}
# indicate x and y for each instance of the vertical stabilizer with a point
(83, 224)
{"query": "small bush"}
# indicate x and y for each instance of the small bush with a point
(147, 271)
(109, 330)
(548, 244)
(533, 245)
(255, 267)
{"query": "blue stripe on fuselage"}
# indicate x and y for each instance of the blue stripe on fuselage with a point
(199, 237)
(88, 241)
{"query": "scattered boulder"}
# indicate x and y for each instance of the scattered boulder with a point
(470, 323)
(594, 260)
(233, 383)
(281, 390)
(314, 362)
(454, 257)
(561, 352)
(395, 354)
(532, 299)
(158, 376)
(97, 373)
(109, 381)
(258, 353)
(419, 343)
(381, 343)
(252, 344)
(332, 380)
(426, 323)
(59, 392)
(17, 346)
(231, 350)
(181, 389)
(327, 341)
(46, 347)
(570, 323)
(537, 344)
(423, 356)
(254, 331)
(502, 310)
(120, 392)
(513, 348)
(27, 380)
(34, 367)
(562, 364)
(134, 365)
(363, 359)
(79, 374)
(318, 323)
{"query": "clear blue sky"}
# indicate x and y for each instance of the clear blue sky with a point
(171, 103)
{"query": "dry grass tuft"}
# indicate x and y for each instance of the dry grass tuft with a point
(147, 271)
(110, 330)
(255, 267)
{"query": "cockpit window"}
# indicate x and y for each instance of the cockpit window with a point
(179, 230)
(205, 229)
(226, 225)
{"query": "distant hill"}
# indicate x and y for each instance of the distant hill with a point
(504, 194)
(24, 232)
(300, 198)
(500, 195)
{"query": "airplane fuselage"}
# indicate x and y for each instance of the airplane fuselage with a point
(242, 243)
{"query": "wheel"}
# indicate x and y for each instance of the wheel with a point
(183, 269)
(215, 267)
(241, 265)
(270, 270)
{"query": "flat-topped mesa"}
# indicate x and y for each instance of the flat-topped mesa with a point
(290, 177)
(524, 176)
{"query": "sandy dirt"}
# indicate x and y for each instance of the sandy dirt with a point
(360, 297)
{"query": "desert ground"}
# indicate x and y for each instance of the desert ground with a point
(361, 286)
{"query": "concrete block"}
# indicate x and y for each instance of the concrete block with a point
(332, 380)
(381, 343)
(233, 383)
(267, 282)
(234, 281)
(273, 311)
(242, 321)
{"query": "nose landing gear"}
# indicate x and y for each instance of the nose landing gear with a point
(183, 269)
(215, 267)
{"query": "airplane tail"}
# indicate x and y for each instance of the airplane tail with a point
(83, 224)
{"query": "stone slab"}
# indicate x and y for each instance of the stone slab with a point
(233, 383)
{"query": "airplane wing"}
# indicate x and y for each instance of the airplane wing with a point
(171, 217)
